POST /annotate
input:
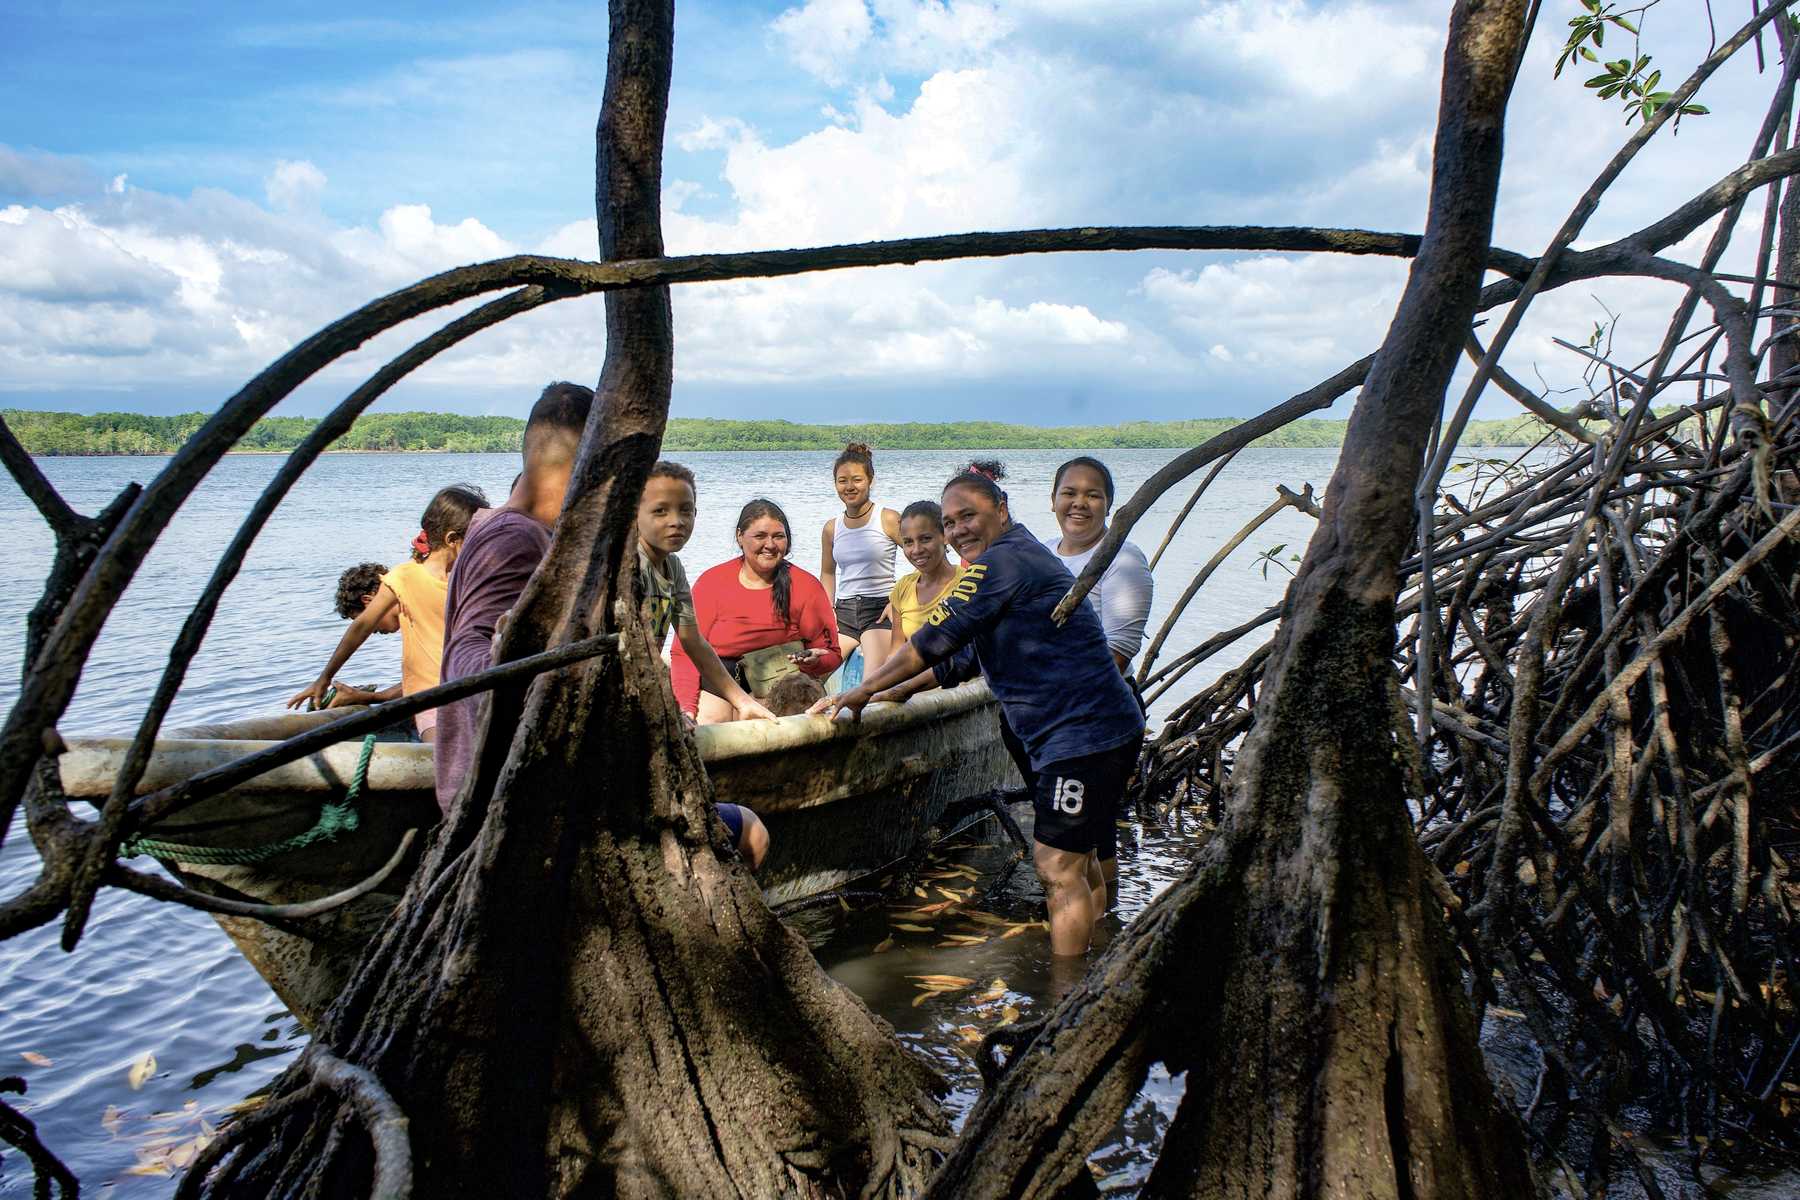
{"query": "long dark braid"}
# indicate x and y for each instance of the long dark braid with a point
(784, 582)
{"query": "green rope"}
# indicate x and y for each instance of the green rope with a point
(335, 817)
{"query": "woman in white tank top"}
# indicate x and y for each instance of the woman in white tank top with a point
(856, 563)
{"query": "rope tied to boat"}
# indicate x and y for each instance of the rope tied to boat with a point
(336, 817)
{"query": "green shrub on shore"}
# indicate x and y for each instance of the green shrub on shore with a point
(58, 433)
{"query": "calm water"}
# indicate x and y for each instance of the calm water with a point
(154, 980)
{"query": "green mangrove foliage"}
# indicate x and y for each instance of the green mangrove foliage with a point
(54, 433)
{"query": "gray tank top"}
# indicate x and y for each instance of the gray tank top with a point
(864, 558)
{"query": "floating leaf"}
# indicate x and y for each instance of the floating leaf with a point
(1462, 868)
(112, 1119)
(922, 997)
(37, 1060)
(184, 1154)
(968, 1033)
(931, 909)
(1506, 1014)
(956, 897)
(912, 928)
(141, 1070)
(1008, 1015)
(996, 991)
(943, 981)
(982, 918)
(884, 945)
(1015, 931)
(921, 893)
(150, 1166)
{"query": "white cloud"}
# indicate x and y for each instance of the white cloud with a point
(1288, 314)
(294, 186)
(1341, 52)
(135, 288)
(62, 256)
(822, 35)
(836, 40)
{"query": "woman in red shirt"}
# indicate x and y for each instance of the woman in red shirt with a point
(752, 602)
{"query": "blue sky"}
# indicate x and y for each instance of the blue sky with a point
(185, 190)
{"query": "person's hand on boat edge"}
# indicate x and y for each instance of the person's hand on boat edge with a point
(751, 710)
(348, 693)
(313, 696)
(852, 701)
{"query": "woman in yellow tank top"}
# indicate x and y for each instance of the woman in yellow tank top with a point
(922, 541)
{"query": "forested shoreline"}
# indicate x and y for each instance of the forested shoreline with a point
(62, 434)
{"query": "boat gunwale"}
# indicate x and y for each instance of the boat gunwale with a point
(721, 743)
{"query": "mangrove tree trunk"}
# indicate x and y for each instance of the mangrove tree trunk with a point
(581, 994)
(1302, 974)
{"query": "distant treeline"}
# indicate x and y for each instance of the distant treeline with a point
(51, 433)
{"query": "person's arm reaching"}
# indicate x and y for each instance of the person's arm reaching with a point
(347, 693)
(904, 666)
(977, 598)
(358, 633)
(718, 679)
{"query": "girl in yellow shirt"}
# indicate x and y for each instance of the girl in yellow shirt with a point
(922, 541)
(413, 593)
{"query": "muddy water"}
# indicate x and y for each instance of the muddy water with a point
(978, 920)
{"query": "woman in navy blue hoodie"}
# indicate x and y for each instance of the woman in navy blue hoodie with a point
(1059, 687)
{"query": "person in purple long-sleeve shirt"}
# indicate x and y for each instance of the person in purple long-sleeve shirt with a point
(501, 549)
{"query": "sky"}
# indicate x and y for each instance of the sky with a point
(186, 190)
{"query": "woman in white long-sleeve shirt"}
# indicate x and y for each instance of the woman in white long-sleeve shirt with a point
(1081, 497)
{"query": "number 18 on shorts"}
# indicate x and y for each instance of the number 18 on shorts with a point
(1075, 801)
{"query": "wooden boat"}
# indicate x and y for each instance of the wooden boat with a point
(841, 800)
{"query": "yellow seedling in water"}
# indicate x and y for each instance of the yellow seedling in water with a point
(943, 981)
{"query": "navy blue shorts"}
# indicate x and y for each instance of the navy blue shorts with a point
(733, 816)
(1107, 846)
(1076, 801)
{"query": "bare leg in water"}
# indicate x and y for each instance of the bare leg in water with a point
(1069, 895)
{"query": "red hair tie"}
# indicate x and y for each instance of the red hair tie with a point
(421, 544)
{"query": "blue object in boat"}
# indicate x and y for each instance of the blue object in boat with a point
(846, 676)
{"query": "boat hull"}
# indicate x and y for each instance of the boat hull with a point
(841, 800)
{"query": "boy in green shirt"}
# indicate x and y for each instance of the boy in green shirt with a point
(665, 521)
